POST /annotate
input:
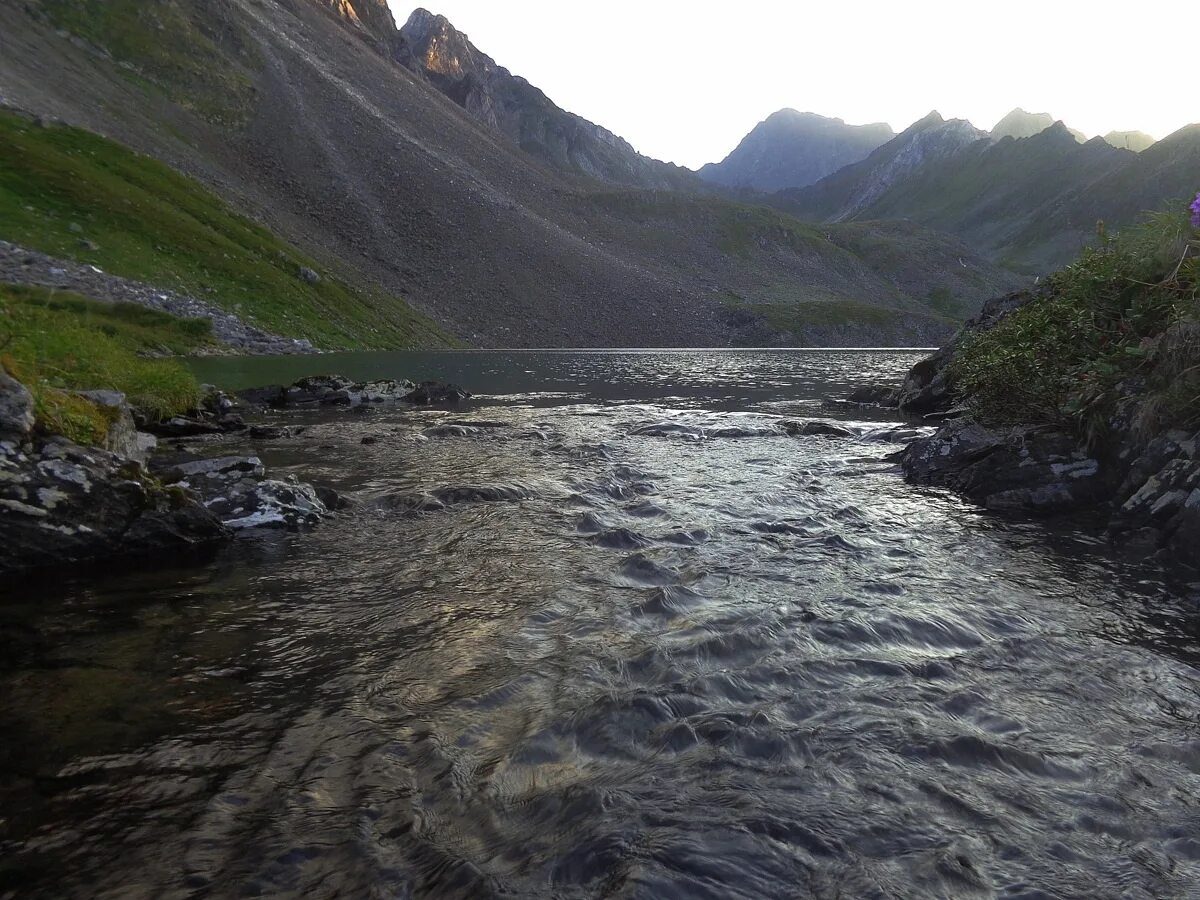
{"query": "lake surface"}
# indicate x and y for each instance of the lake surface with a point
(644, 645)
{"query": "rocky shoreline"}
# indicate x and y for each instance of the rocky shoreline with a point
(158, 489)
(1145, 489)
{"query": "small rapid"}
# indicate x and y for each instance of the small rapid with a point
(669, 646)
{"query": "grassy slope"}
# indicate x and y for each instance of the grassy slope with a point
(56, 342)
(172, 46)
(60, 187)
(910, 274)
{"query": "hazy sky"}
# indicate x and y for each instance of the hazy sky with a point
(685, 81)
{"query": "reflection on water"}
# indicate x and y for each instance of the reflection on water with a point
(610, 646)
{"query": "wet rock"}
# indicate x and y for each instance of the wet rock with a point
(332, 500)
(16, 409)
(436, 393)
(1023, 469)
(885, 395)
(221, 468)
(274, 395)
(63, 504)
(182, 427)
(489, 493)
(810, 429)
(327, 390)
(269, 504)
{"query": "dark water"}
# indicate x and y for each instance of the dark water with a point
(659, 649)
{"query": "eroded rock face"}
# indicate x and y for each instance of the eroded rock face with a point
(1022, 469)
(62, 504)
(16, 408)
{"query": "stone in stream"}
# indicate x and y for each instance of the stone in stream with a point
(436, 393)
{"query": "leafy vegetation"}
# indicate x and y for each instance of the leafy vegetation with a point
(1124, 319)
(56, 343)
(170, 44)
(71, 193)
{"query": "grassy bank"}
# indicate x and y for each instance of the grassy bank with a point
(56, 343)
(74, 194)
(1122, 322)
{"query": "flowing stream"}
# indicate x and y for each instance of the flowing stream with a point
(607, 632)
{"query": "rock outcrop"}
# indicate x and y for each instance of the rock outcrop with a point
(445, 57)
(1147, 488)
(62, 504)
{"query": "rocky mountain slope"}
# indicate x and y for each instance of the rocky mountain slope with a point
(793, 149)
(299, 114)
(850, 192)
(1029, 203)
(445, 57)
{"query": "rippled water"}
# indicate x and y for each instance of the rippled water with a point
(627, 641)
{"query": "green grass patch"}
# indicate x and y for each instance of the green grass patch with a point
(56, 342)
(795, 316)
(64, 191)
(1123, 321)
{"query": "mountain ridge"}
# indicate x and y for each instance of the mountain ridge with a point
(794, 149)
(388, 183)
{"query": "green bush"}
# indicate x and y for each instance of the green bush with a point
(1108, 324)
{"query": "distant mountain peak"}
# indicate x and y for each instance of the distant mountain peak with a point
(792, 149)
(1020, 124)
(1137, 141)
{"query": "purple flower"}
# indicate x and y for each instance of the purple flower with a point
(1195, 207)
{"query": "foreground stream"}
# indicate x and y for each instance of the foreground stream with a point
(652, 647)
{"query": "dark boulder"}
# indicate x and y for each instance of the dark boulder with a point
(436, 393)
(885, 395)
(813, 428)
(1023, 469)
(183, 427)
(63, 504)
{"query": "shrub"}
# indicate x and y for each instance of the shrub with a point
(1100, 326)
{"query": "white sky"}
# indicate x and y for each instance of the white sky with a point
(685, 81)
